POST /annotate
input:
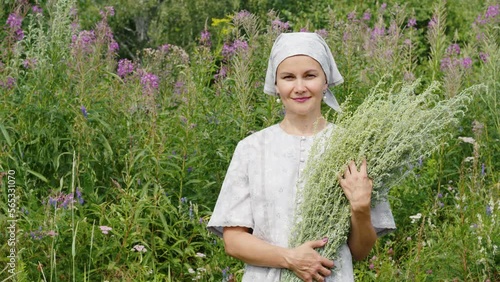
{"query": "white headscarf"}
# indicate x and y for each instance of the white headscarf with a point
(303, 43)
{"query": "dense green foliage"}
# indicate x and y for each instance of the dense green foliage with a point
(115, 164)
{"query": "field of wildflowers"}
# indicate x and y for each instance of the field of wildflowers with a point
(110, 165)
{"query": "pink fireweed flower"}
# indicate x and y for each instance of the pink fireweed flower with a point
(36, 9)
(228, 50)
(139, 248)
(377, 32)
(205, 38)
(303, 29)
(105, 229)
(29, 63)
(366, 16)
(492, 11)
(322, 32)
(351, 16)
(113, 46)
(14, 21)
(466, 62)
(280, 26)
(149, 82)
(83, 41)
(483, 56)
(241, 17)
(412, 22)
(453, 49)
(125, 67)
(432, 22)
(165, 48)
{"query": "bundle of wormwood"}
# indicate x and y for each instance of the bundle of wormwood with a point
(391, 129)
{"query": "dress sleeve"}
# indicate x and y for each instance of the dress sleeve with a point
(233, 207)
(382, 219)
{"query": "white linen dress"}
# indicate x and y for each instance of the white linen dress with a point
(259, 191)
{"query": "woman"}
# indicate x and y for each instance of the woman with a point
(254, 211)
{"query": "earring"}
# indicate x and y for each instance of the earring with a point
(278, 100)
(324, 94)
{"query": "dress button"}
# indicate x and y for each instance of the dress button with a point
(302, 160)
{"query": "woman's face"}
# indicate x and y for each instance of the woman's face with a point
(300, 82)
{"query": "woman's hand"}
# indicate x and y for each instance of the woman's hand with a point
(307, 264)
(357, 186)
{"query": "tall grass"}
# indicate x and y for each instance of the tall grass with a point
(121, 161)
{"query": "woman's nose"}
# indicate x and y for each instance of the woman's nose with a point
(300, 86)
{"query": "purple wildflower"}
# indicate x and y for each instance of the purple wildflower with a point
(351, 16)
(412, 22)
(483, 169)
(183, 200)
(83, 41)
(79, 196)
(29, 63)
(108, 11)
(19, 34)
(371, 266)
(441, 204)
(440, 195)
(383, 6)
(84, 111)
(483, 56)
(241, 17)
(432, 22)
(229, 49)
(378, 31)
(222, 73)
(303, 29)
(9, 84)
(14, 21)
(149, 82)
(205, 38)
(366, 16)
(125, 67)
(36, 9)
(453, 49)
(280, 26)
(53, 202)
(488, 210)
(179, 87)
(322, 32)
(467, 62)
(492, 11)
(113, 46)
(164, 48)
(66, 200)
(446, 63)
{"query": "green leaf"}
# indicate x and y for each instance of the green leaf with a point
(41, 177)
(5, 134)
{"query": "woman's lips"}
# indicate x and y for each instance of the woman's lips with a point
(302, 99)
